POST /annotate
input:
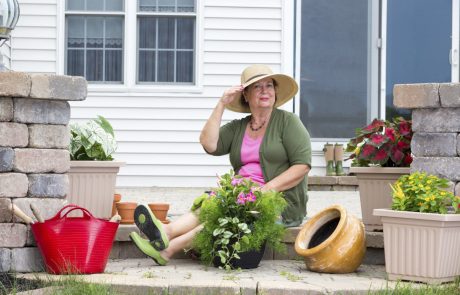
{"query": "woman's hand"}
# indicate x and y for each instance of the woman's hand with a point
(231, 94)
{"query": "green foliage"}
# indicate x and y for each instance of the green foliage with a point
(419, 192)
(94, 140)
(238, 217)
(383, 143)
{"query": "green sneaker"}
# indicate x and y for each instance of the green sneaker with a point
(151, 227)
(146, 248)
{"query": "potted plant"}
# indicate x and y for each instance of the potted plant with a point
(421, 240)
(381, 153)
(93, 172)
(239, 220)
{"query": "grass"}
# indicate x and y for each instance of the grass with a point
(410, 289)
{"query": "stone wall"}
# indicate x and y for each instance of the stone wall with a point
(436, 125)
(34, 137)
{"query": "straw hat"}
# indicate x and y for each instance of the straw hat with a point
(286, 86)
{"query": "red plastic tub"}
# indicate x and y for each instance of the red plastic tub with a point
(77, 245)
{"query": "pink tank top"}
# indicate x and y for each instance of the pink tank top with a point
(250, 159)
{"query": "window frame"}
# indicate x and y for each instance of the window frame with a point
(129, 85)
(141, 14)
(84, 13)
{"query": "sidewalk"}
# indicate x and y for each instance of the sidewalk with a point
(184, 276)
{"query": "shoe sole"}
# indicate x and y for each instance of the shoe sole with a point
(151, 227)
(140, 245)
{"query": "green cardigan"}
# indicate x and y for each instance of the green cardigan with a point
(286, 142)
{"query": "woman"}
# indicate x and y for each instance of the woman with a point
(270, 146)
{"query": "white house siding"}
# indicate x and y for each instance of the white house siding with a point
(35, 37)
(158, 130)
(5, 54)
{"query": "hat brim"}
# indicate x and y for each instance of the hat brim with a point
(285, 91)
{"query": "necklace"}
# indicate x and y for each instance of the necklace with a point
(257, 128)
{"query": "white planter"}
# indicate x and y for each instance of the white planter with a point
(375, 191)
(422, 247)
(92, 185)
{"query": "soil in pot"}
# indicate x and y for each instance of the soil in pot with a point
(248, 260)
(126, 211)
(160, 210)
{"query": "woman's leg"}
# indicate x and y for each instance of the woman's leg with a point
(183, 225)
(181, 242)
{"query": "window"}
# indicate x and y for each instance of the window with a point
(334, 68)
(94, 40)
(166, 41)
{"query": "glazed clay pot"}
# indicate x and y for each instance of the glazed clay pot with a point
(332, 241)
(126, 211)
(160, 210)
(116, 199)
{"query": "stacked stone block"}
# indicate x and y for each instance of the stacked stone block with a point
(34, 137)
(436, 125)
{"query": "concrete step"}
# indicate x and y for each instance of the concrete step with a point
(123, 248)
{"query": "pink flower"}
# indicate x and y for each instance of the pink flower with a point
(250, 197)
(241, 199)
(237, 181)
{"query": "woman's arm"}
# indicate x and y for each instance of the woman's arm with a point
(210, 133)
(288, 179)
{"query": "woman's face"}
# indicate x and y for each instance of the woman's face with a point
(261, 94)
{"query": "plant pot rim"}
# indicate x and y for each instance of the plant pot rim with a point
(416, 215)
(338, 230)
(158, 204)
(376, 169)
(74, 163)
(126, 204)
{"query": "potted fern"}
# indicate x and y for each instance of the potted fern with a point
(420, 237)
(239, 220)
(93, 171)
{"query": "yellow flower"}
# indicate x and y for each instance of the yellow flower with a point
(429, 181)
(397, 191)
(411, 176)
(420, 204)
(442, 193)
(420, 185)
(427, 199)
(427, 187)
(433, 198)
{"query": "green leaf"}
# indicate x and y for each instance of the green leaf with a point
(237, 246)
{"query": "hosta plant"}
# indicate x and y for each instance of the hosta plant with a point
(238, 217)
(93, 140)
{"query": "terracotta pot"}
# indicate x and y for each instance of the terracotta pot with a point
(126, 211)
(160, 210)
(332, 241)
(116, 199)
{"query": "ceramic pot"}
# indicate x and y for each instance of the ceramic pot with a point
(126, 211)
(116, 199)
(332, 241)
(160, 210)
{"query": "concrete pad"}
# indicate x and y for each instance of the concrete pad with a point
(183, 276)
